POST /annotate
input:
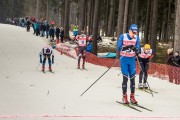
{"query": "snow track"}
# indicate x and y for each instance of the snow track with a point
(27, 93)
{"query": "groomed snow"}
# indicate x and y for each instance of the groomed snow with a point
(29, 94)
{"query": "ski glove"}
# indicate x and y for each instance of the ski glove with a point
(134, 49)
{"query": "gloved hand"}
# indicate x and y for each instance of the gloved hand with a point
(134, 49)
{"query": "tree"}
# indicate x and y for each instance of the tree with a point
(177, 28)
(154, 27)
(81, 15)
(47, 10)
(37, 9)
(66, 19)
(125, 16)
(110, 21)
(120, 21)
(95, 27)
(146, 32)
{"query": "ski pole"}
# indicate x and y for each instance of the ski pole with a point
(38, 66)
(144, 74)
(99, 77)
(119, 73)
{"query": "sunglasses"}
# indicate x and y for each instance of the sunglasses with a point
(134, 32)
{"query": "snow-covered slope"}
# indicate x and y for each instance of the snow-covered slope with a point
(27, 93)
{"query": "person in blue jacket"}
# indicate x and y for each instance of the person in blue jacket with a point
(128, 46)
(89, 47)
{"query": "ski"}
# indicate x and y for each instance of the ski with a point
(84, 69)
(51, 72)
(129, 105)
(144, 90)
(152, 91)
(148, 90)
(140, 106)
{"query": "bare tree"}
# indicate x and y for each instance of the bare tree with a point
(110, 21)
(177, 28)
(95, 27)
(66, 19)
(47, 12)
(37, 9)
(120, 21)
(81, 15)
(125, 16)
(146, 32)
(154, 26)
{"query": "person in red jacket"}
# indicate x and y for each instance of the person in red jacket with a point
(82, 40)
(144, 56)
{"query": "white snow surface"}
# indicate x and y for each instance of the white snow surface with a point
(29, 94)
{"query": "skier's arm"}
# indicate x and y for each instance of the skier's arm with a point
(52, 57)
(120, 42)
(152, 55)
(40, 56)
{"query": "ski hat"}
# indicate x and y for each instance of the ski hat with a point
(134, 28)
(53, 46)
(147, 46)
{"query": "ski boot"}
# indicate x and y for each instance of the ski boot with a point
(132, 99)
(50, 70)
(125, 99)
(83, 66)
(43, 68)
(145, 86)
(140, 86)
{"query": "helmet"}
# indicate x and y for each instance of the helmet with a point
(147, 46)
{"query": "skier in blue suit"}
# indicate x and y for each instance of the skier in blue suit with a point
(128, 46)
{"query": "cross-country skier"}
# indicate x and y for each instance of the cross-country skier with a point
(82, 40)
(129, 45)
(46, 53)
(144, 56)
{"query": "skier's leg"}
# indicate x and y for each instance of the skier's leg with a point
(132, 72)
(49, 62)
(124, 69)
(79, 59)
(124, 89)
(141, 74)
(146, 67)
(44, 62)
(84, 58)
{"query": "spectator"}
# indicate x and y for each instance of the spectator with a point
(47, 28)
(57, 32)
(171, 59)
(177, 58)
(51, 33)
(28, 25)
(62, 34)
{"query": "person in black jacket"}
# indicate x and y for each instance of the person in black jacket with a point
(62, 34)
(51, 33)
(28, 25)
(57, 32)
(47, 29)
(172, 60)
(177, 58)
